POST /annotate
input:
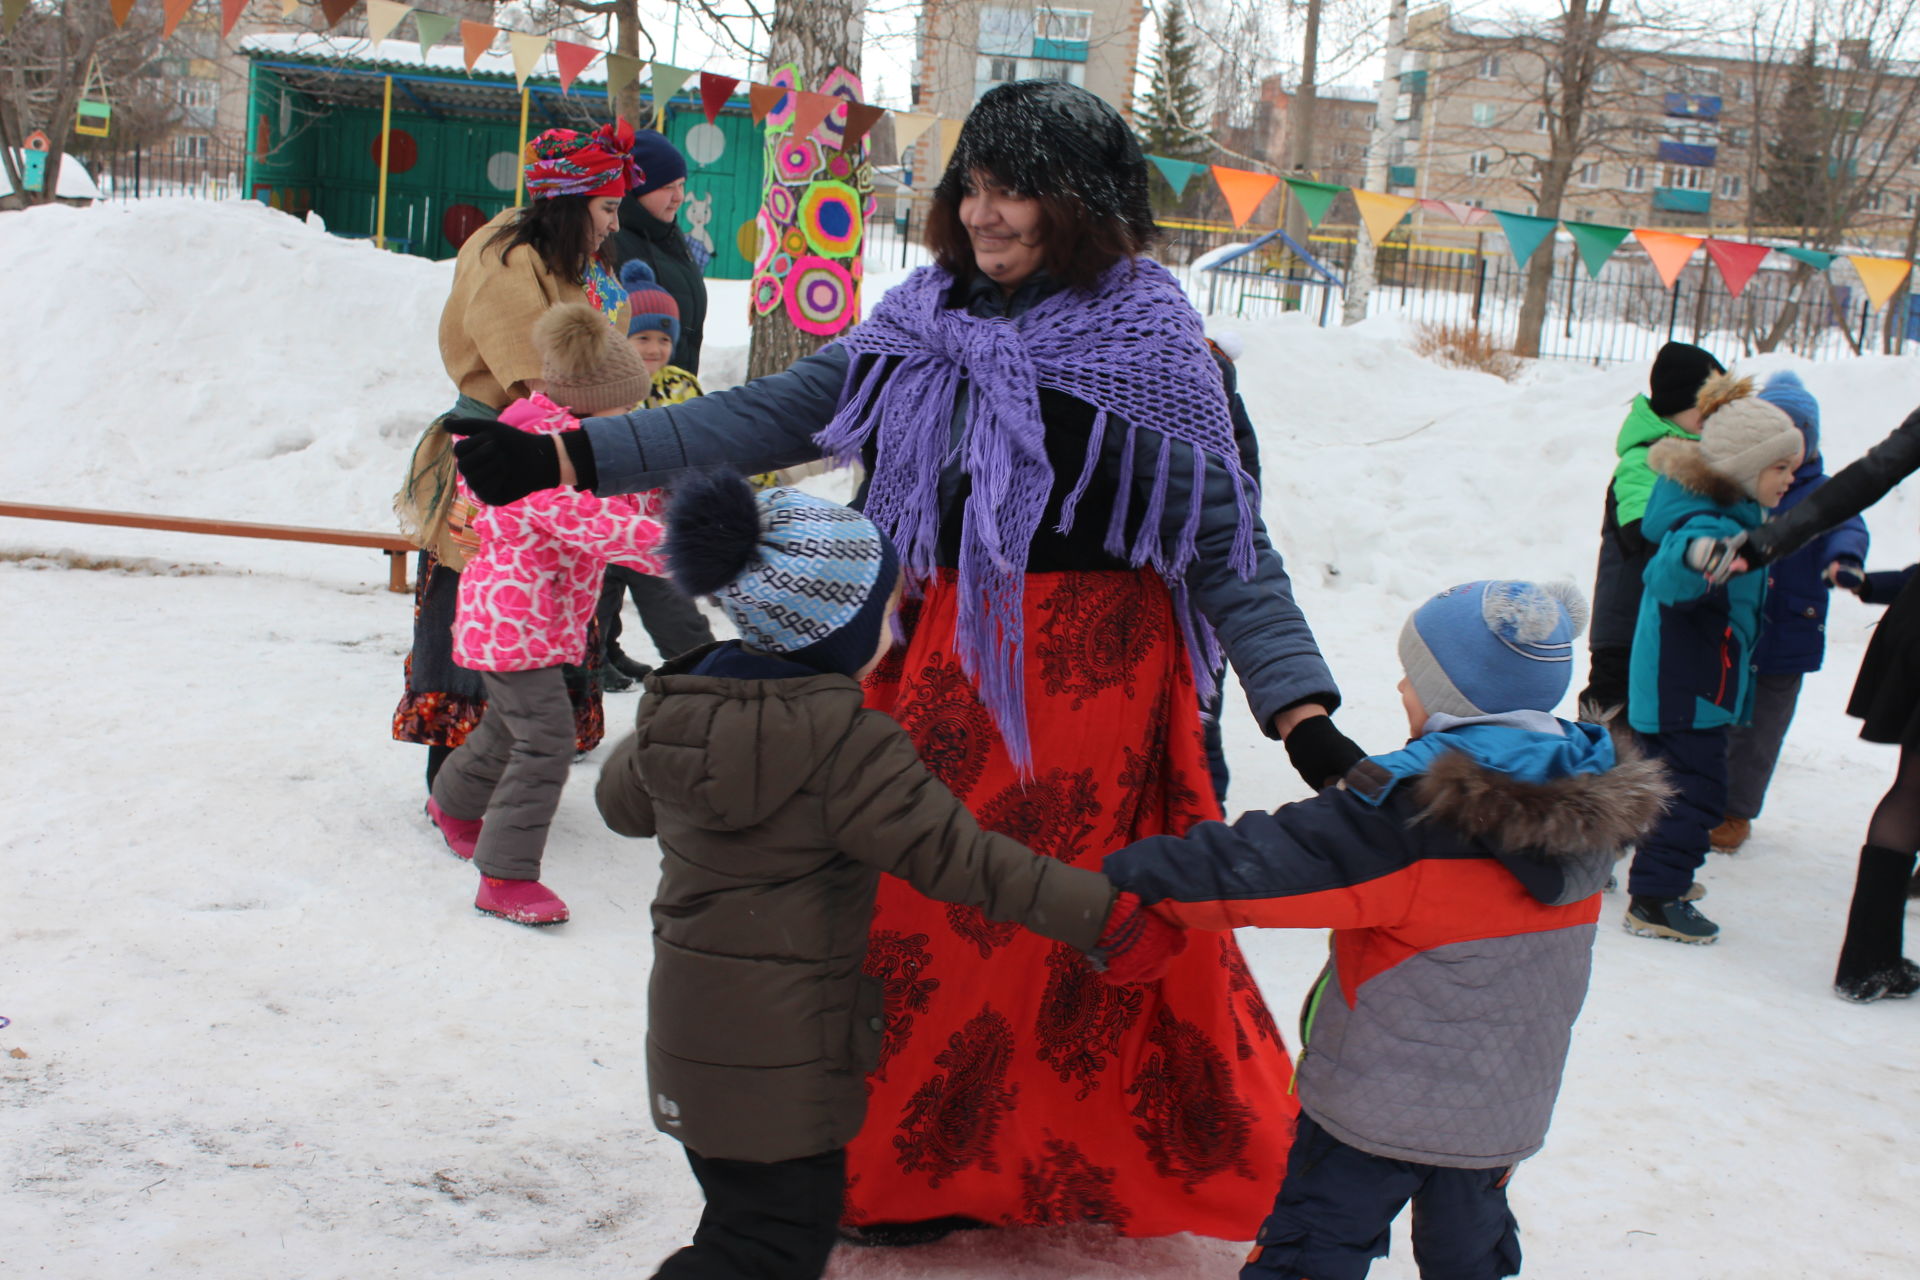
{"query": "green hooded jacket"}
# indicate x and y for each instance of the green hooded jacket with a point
(1632, 478)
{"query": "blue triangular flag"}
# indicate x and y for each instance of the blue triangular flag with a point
(1178, 173)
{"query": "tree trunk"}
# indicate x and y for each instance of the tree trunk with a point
(1386, 131)
(1299, 159)
(1783, 323)
(1533, 303)
(626, 40)
(816, 36)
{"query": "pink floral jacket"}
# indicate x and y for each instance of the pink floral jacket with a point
(527, 595)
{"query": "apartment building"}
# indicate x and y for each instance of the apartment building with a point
(968, 46)
(1342, 127)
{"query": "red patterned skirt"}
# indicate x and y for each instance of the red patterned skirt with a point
(1014, 1086)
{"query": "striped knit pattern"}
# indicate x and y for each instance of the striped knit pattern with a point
(816, 566)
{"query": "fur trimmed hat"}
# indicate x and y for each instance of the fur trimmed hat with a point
(799, 576)
(587, 366)
(1742, 435)
(1484, 648)
(652, 307)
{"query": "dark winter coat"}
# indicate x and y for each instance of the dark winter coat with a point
(1853, 489)
(777, 803)
(1463, 902)
(1885, 586)
(663, 246)
(1693, 648)
(1793, 632)
(1624, 550)
(769, 423)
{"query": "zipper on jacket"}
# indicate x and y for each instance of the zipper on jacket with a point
(1307, 1017)
(1726, 665)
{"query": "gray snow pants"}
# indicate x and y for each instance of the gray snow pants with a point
(511, 770)
(1754, 749)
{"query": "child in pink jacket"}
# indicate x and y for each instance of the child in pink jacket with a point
(526, 597)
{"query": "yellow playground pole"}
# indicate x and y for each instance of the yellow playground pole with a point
(386, 159)
(520, 168)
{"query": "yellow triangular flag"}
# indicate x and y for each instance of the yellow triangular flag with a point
(382, 17)
(949, 139)
(1881, 276)
(1381, 213)
(527, 52)
(289, 7)
(907, 128)
(622, 71)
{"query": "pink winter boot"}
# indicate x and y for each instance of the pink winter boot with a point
(521, 901)
(461, 834)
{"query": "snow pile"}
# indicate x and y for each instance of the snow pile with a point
(266, 1034)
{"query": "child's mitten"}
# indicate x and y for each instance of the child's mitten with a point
(1136, 945)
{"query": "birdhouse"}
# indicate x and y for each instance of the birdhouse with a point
(33, 161)
(93, 118)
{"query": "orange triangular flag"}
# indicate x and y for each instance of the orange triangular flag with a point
(477, 37)
(1244, 190)
(121, 8)
(176, 10)
(811, 112)
(230, 11)
(860, 118)
(1381, 213)
(336, 10)
(1881, 276)
(762, 98)
(571, 58)
(1669, 252)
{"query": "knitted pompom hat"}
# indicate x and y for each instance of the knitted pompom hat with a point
(1485, 648)
(587, 366)
(799, 576)
(1742, 435)
(652, 306)
(1785, 391)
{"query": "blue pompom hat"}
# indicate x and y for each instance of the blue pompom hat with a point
(1785, 392)
(1485, 648)
(650, 306)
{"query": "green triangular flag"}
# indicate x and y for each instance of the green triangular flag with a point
(10, 12)
(1596, 243)
(1812, 257)
(1178, 173)
(1524, 233)
(432, 28)
(1315, 197)
(664, 83)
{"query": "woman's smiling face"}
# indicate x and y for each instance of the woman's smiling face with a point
(1004, 228)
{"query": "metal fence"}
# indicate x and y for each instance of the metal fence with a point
(217, 173)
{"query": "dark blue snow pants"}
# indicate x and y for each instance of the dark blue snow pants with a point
(1667, 857)
(1337, 1205)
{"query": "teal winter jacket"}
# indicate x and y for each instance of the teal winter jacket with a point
(1693, 645)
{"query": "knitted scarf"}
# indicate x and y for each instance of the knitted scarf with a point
(1132, 348)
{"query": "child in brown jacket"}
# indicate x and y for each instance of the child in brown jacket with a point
(778, 800)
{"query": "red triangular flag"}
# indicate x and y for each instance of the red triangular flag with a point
(572, 59)
(230, 11)
(121, 8)
(860, 118)
(763, 98)
(336, 10)
(714, 92)
(812, 111)
(1737, 261)
(176, 10)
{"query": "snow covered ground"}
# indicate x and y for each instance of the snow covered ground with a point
(260, 1031)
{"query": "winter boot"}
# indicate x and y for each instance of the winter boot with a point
(461, 834)
(632, 668)
(1870, 965)
(613, 680)
(1730, 834)
(521, 901)
(1675, 919)
(901, 1235)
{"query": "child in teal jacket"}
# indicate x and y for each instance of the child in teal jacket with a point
(1693, 644)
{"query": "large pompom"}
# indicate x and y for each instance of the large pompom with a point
(713, 531)
(1721, 390)
(636, 275)
(571, 339)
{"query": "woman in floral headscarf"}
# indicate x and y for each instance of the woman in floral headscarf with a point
(509, 271)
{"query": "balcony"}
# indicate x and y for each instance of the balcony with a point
(1688, 153)
(1060, 50)
(1400, 175)
(1681, 200)
(1693, 106)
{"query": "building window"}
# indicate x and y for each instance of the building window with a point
(1737, 89)
(1636, 178)
(1006, 31)
(1738, 137)
(1490, 67)
(197, 95)
(190, 146)
(1687, 177)
(1730, 187)
(1913, 203)
(1064, 25)
(1589, 175)
(1540, 122)
(1483, 115)
(1479, 162)
(1002, 69)
(1876, 151)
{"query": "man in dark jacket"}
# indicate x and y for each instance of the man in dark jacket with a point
(648, 232)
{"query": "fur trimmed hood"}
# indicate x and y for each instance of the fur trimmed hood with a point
(1682, 462)
(1574, 816)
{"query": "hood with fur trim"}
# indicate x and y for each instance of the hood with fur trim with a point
(1579, 814)
(1682, 462)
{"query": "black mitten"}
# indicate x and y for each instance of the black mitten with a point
(1321, 753)
(500, 464)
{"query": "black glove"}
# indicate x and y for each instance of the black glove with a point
(1321, 753)
(502, 465)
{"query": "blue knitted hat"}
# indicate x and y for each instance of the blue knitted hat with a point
(1786, 392)
(1491, 647)
(659, 160)
(651, 306)
(798, 576)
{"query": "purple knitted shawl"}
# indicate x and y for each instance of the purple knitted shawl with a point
(1132, 348)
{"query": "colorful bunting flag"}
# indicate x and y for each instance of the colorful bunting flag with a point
(907, 128)
(1381, 213)
(122, 9)
(714, 92)
(1881, 276)
(949, 139)
(811, 112)
(1596, 243)
(382, 16)
(1243, 189)
(1315, 197)
(287, 7)
(1669, 252)
(175, 10)
(477, 37)
(1737, 262)
(662, 85)
(527, 51)
(334, 10)
(1812, 257)
(1178, 173)
(860, 118)
(10, 11)
(1525, 233)
(622, 71)
(570, 58)
(763, 98)
(230, 11)
(1463, 214)
(432, 28)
